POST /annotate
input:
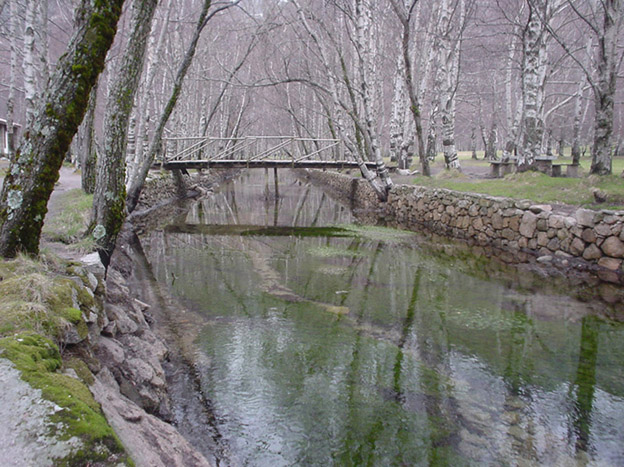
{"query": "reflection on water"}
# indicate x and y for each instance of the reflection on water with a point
(328, 348)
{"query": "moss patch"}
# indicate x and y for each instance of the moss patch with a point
(38, 359)
(40, 301)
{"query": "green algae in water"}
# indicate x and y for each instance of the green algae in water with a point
(435, 363)
(332, 251)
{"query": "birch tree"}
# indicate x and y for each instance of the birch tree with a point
(364, 42)
(534, 56)
(405, 13)
(13, 28)
(138, 180)
(30, 78)
(35, 168)
(449, 54)
(110, 191)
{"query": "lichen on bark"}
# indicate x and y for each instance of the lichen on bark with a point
(58, 115)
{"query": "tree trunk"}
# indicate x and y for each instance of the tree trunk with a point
(30, 80)
(533, 63)
(13, 28)
(604, 90)
(365, 46)
(110, 189)
(35, 169)
(405, 14)
(88, 156)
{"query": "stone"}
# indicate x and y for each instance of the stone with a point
(149, 440)
(537, 208)
(613, 247)
(545, 259)
(603, 230)
(497, 221)
(592, 252)
(553, 244)
(556, 222)
(542, 225)
(542, 238)
(124, 324)
(110, 351)
(528, 224)
(508, 234)
(562, 234)
(610, 263)
(562, 254)
(585, 217)
(577, 247)
(589, 235)
(569, 222)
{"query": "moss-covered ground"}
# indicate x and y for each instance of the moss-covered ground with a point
(38, 303)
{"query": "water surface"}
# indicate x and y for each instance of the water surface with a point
(320, 344)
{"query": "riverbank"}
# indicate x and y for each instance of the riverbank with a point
(92, 387)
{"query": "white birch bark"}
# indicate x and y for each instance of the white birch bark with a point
(450, 50)
(30, 72)
(366, 68)
(337, 122)
(136, 185)
(143, 110)
(605, 87)
(44, 61)
(534, 64)
(110, 192)
(13, 28)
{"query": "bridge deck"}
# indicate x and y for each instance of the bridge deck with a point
(258, 164)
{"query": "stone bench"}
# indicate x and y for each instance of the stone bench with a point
(571, 170)
(499, 169)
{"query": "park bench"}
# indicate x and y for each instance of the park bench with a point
(499, 169)
(571, 170)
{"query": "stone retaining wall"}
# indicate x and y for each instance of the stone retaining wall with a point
(593, 237)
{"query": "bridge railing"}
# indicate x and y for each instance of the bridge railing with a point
(252, 148)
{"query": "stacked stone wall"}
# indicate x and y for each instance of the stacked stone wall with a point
(594, 237)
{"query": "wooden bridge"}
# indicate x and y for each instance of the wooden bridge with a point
(255, 152)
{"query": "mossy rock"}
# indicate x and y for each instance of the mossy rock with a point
(80, 417)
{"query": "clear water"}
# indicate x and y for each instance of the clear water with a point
(320, 346)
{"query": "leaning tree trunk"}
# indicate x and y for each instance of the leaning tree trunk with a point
(35, 169)
(138, 180)
(110, 190)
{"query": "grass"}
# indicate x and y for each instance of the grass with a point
(70, 221)
(536, 186)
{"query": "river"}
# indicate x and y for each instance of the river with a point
(318, 342)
